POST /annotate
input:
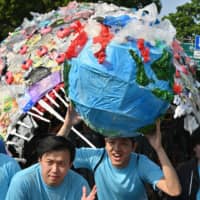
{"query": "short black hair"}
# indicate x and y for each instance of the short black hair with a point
(55, 143)
(132, 139)
(195, 138)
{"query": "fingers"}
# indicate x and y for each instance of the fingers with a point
(158, 126)
(91, 195)
(70, 107)
(84, 192)
(94, 190)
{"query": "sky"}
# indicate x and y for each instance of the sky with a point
(169, 6)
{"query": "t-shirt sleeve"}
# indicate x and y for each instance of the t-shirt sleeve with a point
(78, 184)
(12, 168)
(85, 183)
(149, 171)
(87, 157)
(17, 189)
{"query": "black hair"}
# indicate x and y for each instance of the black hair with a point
(55, 143)
(195, 138)
(132, 139)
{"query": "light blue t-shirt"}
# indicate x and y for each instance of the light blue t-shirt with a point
(198, 193)
(8, 168)
(119, 184)
(29, 185)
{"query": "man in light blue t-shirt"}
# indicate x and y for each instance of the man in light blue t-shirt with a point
(121, 173)
(8, 168)
(52, 177)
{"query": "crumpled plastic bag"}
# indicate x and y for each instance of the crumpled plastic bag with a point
(108, 96)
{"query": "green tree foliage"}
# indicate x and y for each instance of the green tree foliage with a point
(186, 20)
(129, 3)
(12, 12)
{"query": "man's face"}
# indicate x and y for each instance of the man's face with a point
(119, 151)
(54, 166)
(197, 152)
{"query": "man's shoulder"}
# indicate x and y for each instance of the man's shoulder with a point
(75, 177)
(7, 160)
(142, 160)
(139, 156)
(27, 172)
(74, 174)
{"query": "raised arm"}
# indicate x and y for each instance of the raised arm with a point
(71, 118)
(170, 183)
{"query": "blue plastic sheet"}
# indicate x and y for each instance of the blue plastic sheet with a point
(107, 95)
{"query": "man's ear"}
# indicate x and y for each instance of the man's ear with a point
(135, 144)
(39, 159)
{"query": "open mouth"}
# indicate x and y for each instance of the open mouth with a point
(116, 157)
(53, 178)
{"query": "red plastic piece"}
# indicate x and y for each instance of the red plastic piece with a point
(23, 49)
(42, 51)
(9, 77)
(27, 64)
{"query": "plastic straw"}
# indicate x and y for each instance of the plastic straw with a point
(39, 117)
(60, 98)
(52, 100)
